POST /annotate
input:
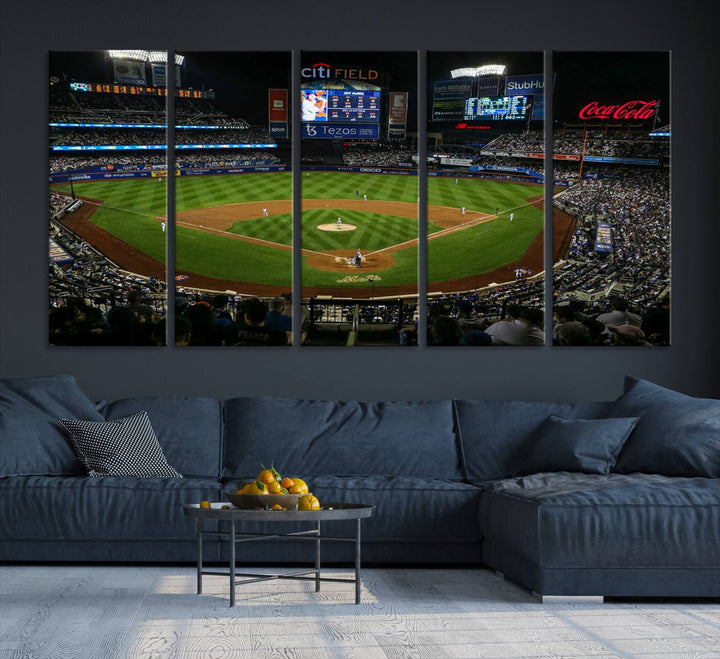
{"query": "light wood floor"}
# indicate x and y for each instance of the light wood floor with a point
(95, 612)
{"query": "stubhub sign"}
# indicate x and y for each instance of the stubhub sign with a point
(341, 130)
(525, 85)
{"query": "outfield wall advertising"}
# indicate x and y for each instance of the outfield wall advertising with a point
(62, 177)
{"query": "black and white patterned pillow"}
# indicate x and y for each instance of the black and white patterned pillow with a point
(121, 447)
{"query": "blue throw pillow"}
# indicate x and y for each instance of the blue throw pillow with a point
(589, 446)
(677, 435)
(32, 441)
(493, 434)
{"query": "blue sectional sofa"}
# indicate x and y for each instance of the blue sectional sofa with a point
(610, 498)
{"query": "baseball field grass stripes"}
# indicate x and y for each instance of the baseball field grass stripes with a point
(132, 210)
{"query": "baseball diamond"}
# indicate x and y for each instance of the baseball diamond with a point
(224, 241)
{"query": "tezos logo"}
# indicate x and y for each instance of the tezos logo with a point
(310, 130)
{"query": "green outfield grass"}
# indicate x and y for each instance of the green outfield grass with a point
(131, 206)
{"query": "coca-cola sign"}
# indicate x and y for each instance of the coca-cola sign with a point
(638, 110)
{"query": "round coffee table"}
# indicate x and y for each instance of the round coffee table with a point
(329, 513)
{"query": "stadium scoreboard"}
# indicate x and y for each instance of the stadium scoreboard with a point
(343, 106)
(354, 106)
(498, 108)
(137, 90)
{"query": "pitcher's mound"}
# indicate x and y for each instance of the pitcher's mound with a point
(336, 227)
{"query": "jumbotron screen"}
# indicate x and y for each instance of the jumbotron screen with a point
(499, 108)
(340, 105)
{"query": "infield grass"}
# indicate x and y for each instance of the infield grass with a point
(131, 208)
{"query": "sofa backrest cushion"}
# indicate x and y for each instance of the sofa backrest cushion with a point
(189, 429)
(314, 437)
(32, 440)
(677, 435)
(493, 434)
(588, 446)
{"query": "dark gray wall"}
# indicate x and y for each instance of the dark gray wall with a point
(31, 28)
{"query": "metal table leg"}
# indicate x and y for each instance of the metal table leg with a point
(232, 562)
(200, 556)
(357, 561)
(317, 560)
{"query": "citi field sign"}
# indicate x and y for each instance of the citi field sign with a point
(322, 71)
(638, 110)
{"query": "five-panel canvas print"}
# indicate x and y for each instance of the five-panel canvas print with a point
(499, 200)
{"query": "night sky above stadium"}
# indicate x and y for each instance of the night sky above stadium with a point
(241, 80)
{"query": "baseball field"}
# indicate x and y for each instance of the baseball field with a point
(234, 232)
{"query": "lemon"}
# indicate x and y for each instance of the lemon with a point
(205, 504)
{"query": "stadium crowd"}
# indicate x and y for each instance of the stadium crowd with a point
(617, 298)
(139, 136)
(92, 302)
(209, 158)
(617, 145)
(386, 154)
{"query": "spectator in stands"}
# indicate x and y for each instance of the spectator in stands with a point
(444, 331)
(125, 329)
(277, 319)
(627, 335)
(525, 330)
(251, 330)
(619, 314)
(143, 312)
(203, 332)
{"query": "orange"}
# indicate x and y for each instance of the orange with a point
(277, 506)
(274, 487)
(205, 504)
(266, 476)
(287, 482)
(299, 487)
(308, 502)
(256, 487)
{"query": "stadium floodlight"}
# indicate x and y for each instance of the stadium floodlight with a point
(478, 71)
(155, 56)
(141, 55)
(160, 57)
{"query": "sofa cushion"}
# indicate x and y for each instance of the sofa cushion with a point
(121, 447)
(189, 429)
(493, 434)
(590, 446)
(565, 520)
(408, 509)
(32, 440)
(313, 437)
(677, 435)
(100, 509)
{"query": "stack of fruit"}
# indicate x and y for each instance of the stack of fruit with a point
(269, 482)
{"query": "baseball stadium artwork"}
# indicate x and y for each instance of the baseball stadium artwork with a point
(611, 277)
(360, 220)
(108, 198)
(233, 201)
(485, 199)
(359, 196)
